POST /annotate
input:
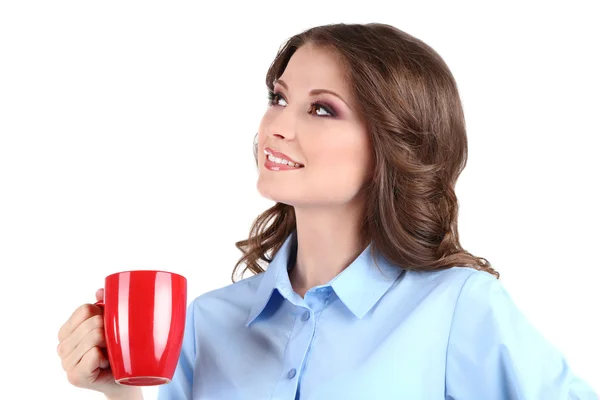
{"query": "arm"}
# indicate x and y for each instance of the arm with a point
(494, 352)
(180, 388)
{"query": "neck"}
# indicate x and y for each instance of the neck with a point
(328, 241)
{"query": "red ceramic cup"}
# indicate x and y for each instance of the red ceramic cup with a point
(144, 321)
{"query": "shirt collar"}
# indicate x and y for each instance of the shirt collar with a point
(275, 277)
(362, 284)
(359, 286)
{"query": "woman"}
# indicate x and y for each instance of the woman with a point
(368, 293)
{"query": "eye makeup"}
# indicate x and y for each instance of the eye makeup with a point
(274, 98)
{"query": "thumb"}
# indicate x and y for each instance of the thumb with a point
(104, 363)
(100, 295)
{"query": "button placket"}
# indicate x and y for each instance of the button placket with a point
(296, 352)
(316, 301)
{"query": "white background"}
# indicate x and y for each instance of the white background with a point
(126, 143)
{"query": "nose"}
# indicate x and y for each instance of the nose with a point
(282, 125)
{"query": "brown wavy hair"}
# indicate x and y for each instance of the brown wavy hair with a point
(410, 101)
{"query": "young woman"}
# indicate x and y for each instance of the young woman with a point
(368, 293)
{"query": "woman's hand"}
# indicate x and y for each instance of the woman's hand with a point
(81, 350)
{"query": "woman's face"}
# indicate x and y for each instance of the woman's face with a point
(312, 124)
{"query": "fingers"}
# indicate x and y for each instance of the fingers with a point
(93, 359)
(100, 295)
(86, 336)
(81, 314)
(88, 369)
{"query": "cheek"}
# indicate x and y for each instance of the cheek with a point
(346, 146)
(341, 163)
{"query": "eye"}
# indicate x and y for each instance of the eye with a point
(275, 98)
(321, 110)
(316, 108)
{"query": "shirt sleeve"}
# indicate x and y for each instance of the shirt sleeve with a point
(494, 353)
(180, 387)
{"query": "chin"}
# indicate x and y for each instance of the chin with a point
(272, 194)
(276, 194)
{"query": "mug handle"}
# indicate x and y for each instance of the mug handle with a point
(105, 349)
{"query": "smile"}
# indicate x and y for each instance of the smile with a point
(282, 161)
(277, 161)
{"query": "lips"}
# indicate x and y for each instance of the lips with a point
(281, 156)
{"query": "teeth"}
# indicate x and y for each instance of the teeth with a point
(281, 161)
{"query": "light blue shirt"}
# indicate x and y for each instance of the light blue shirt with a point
(375, 331)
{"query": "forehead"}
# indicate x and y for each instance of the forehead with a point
(313, 67)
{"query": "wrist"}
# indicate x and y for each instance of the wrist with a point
(124, 392)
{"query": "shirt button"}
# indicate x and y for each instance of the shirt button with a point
(306, 316)
(292, 373)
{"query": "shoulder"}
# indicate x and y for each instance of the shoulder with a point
(463, 296)
(495, 352)
(438, 295)
(483, 295)
(227, 301)
(456, 282)
(472, 295)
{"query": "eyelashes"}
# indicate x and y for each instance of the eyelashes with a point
(275, 97)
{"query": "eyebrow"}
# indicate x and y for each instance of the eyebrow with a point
(315, 91)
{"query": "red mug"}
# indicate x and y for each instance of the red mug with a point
(144, 322)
